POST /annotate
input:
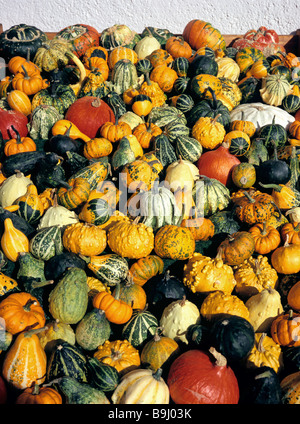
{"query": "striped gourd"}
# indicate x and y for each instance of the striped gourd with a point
(96, 211)
(93, 330)
(115, 101)
(110, 268)
(274, 88)
(93, 173)
(102, 376)
(291, 103)
(175, 129)
(42, 120)
(68, 300)
(210, 196)
(184, 102)
(188, 148)
(124, 75)
(46, 243)
(67, 360)
(181, 85)
(164, 115)
(140, 327)
(164, 151)
(181, 65)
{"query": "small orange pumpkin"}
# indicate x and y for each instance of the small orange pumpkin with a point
(116, 311)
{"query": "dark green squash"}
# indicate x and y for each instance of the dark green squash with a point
(46, 243)
(143, 66)
(98, 211)
(233, 337)
(282, 71)
(273, 132)
(21, 40)
(231, 52)
(67, 360)
(250, 89)
(49, 172)
(58, 264)
(188, 148)
(261, 386)
(181, 66)
(116, 102)
(184, 102)
(203, 64)
(181, 85)
(102, 376)
(273, 171)
(24, 162)
(197, 335)
(17, 221)
(73, 162)
(93, 330)
(209, 108)
(63, 143)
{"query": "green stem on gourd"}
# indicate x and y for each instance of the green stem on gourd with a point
(28, 304)
(251, 200)
(276, 187)
(18, 138)
(33, 331)
(26, 76)
(157, 374)
(39, 284)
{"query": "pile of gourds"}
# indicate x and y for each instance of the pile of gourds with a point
(150, 217)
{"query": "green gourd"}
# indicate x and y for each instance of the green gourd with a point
(102, 376)
(123, 155)
(124, 75)
(140, 327)
(46, 243)
(93, 330)
(68, 300)
(42, 120)
(81, 394)
(67, 360)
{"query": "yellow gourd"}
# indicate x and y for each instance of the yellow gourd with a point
(220, 305)
(265, 352)
(13, 241)
(204, 274)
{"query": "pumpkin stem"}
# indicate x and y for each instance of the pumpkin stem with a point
(36, 388)
(260, 346)
(26, 76)
(286, 244)
(220, 359)
(157, 374)
(117, 291)
(28, 304)
(182, 302)
(264, 230)
(157, 336)
(96, 102)
(18, 138)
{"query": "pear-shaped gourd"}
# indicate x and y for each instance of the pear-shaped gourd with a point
(181, 175)
(123, 155)
(12, 188)
(31, 207)
(68, 300)
(81, 393)
(146, 46)
(56, 330)
(13, 241)
(93, 330)
(263, 308)
(46, 243)
(57, 215)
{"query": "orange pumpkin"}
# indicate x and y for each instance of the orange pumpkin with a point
(19, 145)
(285, 329)
(20, 311)
(116, 310)
(39, 395)
(177, 47)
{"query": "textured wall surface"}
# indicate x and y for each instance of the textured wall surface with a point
(230, 17)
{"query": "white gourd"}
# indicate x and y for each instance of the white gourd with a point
(12, 188)
(132, 119)
(181, 174)
(263, 308)
(146, 46)
(57, 215)
(177, 317)
(261, 114)
(142, 386)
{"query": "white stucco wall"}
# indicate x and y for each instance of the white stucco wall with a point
(230, 17)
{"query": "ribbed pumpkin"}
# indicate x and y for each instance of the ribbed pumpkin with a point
(145, 268)
(199, 34)
(142, 386)
(119, 354)
(140, 327)
(21, 310)
(39, 395)
(25, 362)
(18, 100)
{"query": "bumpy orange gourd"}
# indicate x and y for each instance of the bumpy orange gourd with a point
(119, 354)
(85, 239)
(174, 242)
(132, 240)
(25, 362)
